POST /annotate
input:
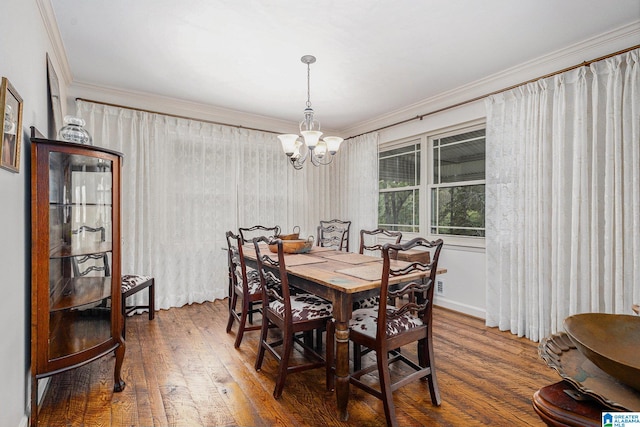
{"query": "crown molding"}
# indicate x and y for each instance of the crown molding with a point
(177, 107)
(618, 39)
(59, 54)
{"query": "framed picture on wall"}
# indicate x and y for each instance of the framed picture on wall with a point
(10, 127)
(55, 109)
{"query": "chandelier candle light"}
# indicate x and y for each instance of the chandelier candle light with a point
(314, 148)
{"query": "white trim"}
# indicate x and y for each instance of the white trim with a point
(51, 27)
(470, 310)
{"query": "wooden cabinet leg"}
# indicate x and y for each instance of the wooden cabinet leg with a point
(118, 383)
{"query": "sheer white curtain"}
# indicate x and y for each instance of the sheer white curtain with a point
(355, 184)
(563, 197)
(185, 183)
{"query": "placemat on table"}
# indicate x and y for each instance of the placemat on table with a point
(371, 271)
(351, 258)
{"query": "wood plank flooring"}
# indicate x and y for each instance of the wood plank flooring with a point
(181, 369)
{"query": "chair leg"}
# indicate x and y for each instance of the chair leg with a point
(330, 356)
(287, 347)
(243, 321)
(262, 342)
(385, 388)
(357, 357)
(123, 304)
(250, 309)
(425, 358)
(233, 300)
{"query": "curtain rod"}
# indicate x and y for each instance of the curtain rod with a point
(418, 117)
(478, 98)
(177, 116)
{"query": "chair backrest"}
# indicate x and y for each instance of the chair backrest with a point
(249, 233)
(420, 291)
(84, 265)
(334, 233)
(369, 241)
(273, 276)
(237, 266)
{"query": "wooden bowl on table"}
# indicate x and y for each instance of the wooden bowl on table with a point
(294, 246)
(293, 236)
(610, 341)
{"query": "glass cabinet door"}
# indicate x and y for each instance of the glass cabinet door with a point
(80, 253)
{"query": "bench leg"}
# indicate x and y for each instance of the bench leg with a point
(152, 300)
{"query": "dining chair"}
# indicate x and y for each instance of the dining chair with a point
(291, 314)
(130, 284)
(334, 233)
(369, 242)
(247, 234)
(245, 284)
(385, 328)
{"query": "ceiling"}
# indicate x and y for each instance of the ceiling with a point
(373, 57)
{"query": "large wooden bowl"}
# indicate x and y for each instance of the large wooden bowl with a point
(293, 246)
(293, 236)
(610, 341)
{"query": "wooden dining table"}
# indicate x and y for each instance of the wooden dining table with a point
(342, 278)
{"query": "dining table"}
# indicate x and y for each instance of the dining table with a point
(341, 278)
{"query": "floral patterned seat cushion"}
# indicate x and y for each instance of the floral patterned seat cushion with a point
(370, 302)
(365, 320)
(254, 282)
(130, 281)
(304, 307)
(254, 285)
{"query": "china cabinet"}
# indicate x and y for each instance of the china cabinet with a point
(75, 295)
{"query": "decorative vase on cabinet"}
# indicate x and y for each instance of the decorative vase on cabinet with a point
(75, 290)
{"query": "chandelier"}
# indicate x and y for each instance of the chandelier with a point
(318, 151)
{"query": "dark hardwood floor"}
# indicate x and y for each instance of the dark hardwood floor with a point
(181, 369)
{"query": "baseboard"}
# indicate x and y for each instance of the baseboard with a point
(43, 386)
(462, 308)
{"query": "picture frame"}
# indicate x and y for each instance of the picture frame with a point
(10, 127)
(55, 107)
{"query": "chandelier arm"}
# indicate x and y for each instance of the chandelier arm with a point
(296, 165)
(319, 162)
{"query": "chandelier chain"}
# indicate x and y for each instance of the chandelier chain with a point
(308, 85)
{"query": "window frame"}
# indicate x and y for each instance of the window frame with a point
(407, 142)
(427, 181)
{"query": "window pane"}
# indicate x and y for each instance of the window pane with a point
(459, 157)
(398, 210)
(462, 162)
(399, 167)
(458, 210)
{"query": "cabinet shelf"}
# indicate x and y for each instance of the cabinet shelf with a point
(70, 204)
(74, 331)
(79, 291)
(66, 251)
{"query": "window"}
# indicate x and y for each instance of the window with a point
(398, 202)
(457, 190)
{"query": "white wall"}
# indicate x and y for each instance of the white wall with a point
(23, 47)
